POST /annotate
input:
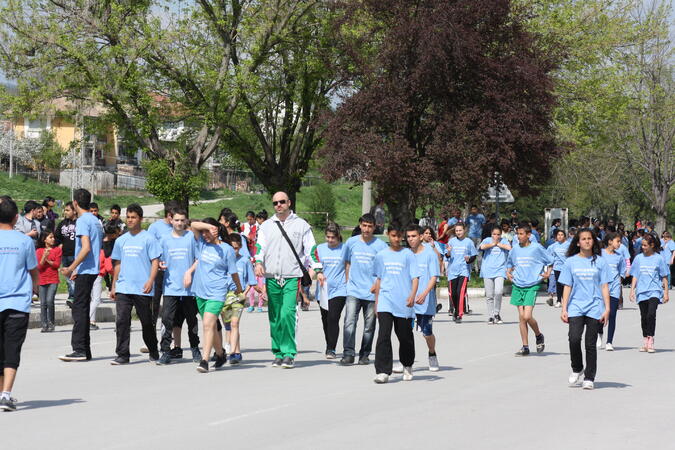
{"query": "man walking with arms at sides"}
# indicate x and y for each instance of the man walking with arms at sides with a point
(280, 264)
(85, 269)
(18, 283)
(358, 256)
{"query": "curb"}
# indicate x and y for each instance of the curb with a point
(64, 316)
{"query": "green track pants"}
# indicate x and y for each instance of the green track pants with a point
(283, 314)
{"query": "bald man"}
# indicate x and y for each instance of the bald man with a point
(276, 262)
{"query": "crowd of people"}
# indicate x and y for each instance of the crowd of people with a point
(213, 267)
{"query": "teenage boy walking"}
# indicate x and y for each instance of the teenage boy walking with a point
(397, 278)
(136, 259)
(358, 255)
(461, 254)
(528, 264)
(84, 269)
(18, 283)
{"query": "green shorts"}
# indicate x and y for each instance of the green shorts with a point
(208, 306)
(233, 307)
(526, 296)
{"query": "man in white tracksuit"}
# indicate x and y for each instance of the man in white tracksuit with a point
(276, 262)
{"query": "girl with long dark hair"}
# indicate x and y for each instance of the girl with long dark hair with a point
(617, 266)
(585, 303)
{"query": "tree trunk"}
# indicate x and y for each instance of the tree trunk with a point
(284, 182)
(399, 208)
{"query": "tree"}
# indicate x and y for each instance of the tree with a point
(453, 92)
(197, 64)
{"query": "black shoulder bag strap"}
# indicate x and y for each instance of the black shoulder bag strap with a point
(306, 279)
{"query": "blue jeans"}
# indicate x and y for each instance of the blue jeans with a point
(46, 293)
(66, 261)
(352, 307)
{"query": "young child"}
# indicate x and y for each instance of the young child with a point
(527, 265)
(105, 271)
(585, 302)
(18, 282)
(397, 279)
(649, 287)
(49, 260)
(558, 251)
(234, 304)
(429, 271)
(617, 267)
(215, 262)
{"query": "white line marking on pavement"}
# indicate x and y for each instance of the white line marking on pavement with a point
(254, 413)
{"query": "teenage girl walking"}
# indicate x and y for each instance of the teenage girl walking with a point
(649, 287)
(617, 268)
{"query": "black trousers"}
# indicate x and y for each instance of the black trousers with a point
(157, 297)
(577, 325)
(648, 316)
(457, 292)
(332, 323)
(559, 287)
(383, 352)
(80, 338)
(174, 312)
(123, 305)
(13, 327)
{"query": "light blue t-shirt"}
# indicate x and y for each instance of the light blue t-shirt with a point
(617, 267)
(216, 263)
(475, 223)
(17, 257)
(453, 221)
(537, 237)
(396, 270)
(559, 253)
(529, 263)
(494, 259)
(88, 225)
(623, 251)
(427, 267)
(159, 229)
(179, 253)
(649, 271)
(460, 248)
(361, 257)
(135, 254)
(637, 246)
(586, 278)
(668, 247)
(333, 269)
(245, 271)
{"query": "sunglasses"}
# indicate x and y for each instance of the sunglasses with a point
(279, 202)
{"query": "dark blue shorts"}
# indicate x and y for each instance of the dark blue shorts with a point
(425, 324)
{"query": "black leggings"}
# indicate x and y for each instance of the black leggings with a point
(331, 321)
(383, 352)
(457, 294)
(558, 286)
(576, 329)
(648, 316)
(613, 306)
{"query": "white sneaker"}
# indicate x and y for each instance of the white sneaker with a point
(381, 378)
(398, 368)
(558, 305)
(587, 385)
(598, 343)
(407, 373)
(433, 364)
(228, 348)
(609, 347)
(575, 378)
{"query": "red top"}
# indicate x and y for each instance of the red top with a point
(105, 265)
(49, 274)
(442, 239)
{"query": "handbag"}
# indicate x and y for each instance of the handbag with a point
(306, 279)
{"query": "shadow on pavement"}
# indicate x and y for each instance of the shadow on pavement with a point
(36, 404)
(610, 384)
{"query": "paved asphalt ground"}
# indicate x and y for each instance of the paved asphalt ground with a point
(483, 397)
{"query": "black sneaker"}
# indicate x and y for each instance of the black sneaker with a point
(330, 354)
(119, 361)
(458, 320)
(177, 353)
(364, 361)
(69, 303)
(7, 404)
(196, 354)
(277, 362)
(439, 306)
(75, 356)
(524, 351)
(154, 356)
(93, 327)
(44, 330)
(203, 366)
(220, 360)
(288, 363)
(347, 361)
(491, 321)
(540, 343)
(51, 327)
(498, 319)
(164, 359)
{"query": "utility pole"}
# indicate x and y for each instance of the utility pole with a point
(366, 197)
(11, 152)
